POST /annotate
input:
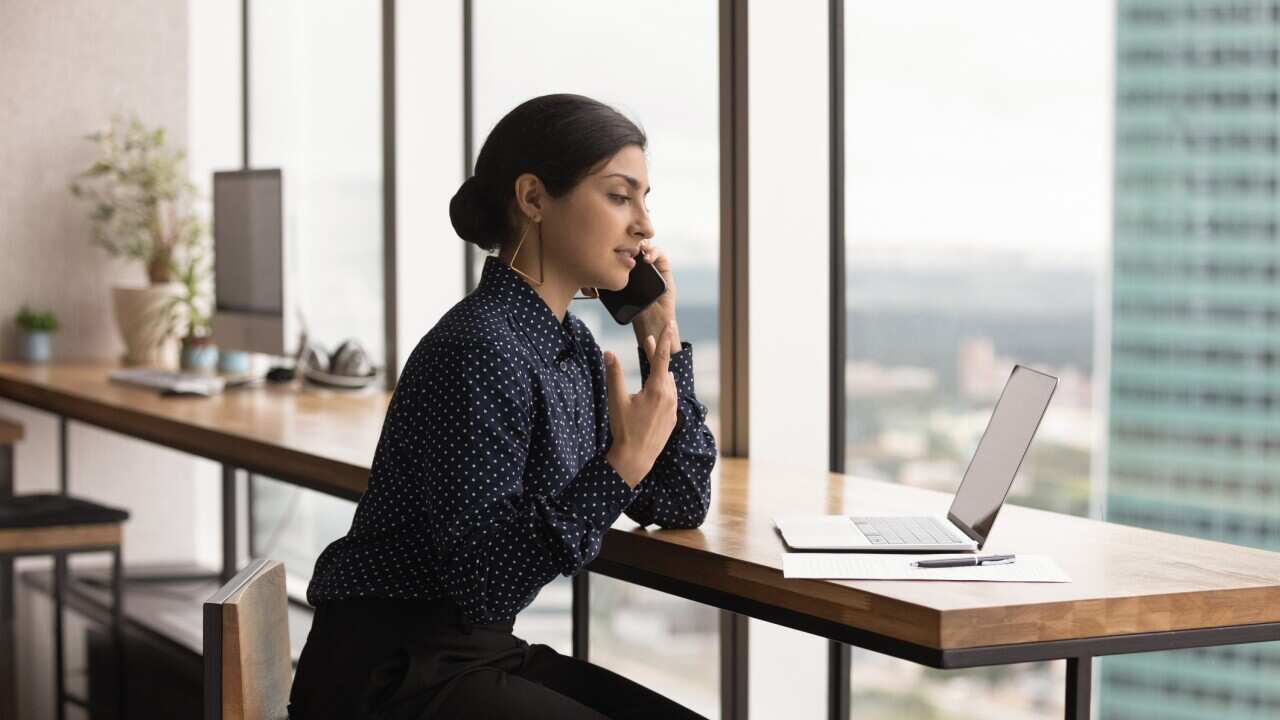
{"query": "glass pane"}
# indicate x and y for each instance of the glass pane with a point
(292, 524)
(977, 169)
(316, 112)
(524, 50)
(1194, 435)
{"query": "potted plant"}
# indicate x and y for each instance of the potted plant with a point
(36, 330)
(142, 209)
(189, 312)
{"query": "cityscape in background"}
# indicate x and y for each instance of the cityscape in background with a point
(1194, 437)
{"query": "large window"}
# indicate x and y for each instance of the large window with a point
(1088, 189)
(977, 205)
(316, 113)
(658, 65)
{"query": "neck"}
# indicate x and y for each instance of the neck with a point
(554, 290)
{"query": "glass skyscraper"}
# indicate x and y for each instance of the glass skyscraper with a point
(1195, 433)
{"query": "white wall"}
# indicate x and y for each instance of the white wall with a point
(789, 206)
(64, 68)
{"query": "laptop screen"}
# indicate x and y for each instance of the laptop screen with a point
(1000, 451)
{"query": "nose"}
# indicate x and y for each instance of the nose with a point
(642, 228)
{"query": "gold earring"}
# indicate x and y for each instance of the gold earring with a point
(541, 279)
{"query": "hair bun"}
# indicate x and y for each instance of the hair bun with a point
(471, 215)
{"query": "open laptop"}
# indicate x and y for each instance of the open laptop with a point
(982, 492)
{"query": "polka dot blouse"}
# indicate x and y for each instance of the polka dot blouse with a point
(490, 476)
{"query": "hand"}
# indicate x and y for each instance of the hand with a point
(641, 423)
(663, 310)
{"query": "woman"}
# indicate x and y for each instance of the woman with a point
(511, 445)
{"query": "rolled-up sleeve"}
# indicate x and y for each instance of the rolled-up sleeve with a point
(494, 543)
(676, 493)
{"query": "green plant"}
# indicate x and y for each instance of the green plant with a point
(33, 321)
(191, 308)
(143, 203)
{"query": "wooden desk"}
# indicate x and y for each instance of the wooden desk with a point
(1133, 590)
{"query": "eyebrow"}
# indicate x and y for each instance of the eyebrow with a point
(634, 183)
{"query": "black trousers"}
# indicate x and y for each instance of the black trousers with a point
(402, 659)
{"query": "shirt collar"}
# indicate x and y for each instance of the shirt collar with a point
(552, 339)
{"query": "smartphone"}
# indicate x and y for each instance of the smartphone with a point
(644, 285)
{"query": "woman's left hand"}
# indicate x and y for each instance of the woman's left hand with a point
(663, 310)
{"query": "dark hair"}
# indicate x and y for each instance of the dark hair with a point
(560, 138)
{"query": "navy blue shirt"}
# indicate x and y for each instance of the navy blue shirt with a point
(490, 476)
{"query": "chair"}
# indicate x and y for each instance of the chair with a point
(58, 525)
(247, 668)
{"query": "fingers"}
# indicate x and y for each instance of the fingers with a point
(659, 356)
(613, 380)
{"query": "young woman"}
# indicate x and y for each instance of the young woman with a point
(511, 445)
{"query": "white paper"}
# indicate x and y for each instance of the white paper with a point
(864, 566)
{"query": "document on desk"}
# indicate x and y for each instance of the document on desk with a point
(864, 566)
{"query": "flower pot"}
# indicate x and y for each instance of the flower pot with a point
(35, 345)
(143, 316)
(233, 362)
(198, 355)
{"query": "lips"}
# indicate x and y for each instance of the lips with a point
(626, 256)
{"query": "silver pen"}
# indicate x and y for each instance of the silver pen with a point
(965, 562)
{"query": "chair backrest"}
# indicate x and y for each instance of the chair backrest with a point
(10, 432)
(247, 669)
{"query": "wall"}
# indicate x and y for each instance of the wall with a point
(64, 68)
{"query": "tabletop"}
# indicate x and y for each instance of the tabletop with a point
(1124, 579)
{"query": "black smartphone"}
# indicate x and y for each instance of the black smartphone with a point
(644, 285)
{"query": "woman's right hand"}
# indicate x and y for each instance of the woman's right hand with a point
(641, 423)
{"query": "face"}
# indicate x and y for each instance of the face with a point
(592, 234)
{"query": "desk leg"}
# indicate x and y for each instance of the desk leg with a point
(1079, 687)
(230, 553)
(733, 665)
(8, 641)
(839, 662)
(581, 614)
(64, 467)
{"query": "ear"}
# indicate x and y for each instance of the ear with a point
(530, 196)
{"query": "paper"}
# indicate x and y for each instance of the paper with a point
(863, 566)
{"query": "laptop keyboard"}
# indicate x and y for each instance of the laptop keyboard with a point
(906, 531)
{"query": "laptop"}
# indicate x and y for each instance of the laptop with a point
(973, 511)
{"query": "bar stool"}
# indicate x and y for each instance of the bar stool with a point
(60, 525)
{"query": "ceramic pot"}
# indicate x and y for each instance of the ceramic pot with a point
(198, 355)
(35, 346)
(233, 362)
(142, 315)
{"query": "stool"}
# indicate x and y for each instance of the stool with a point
(59, 525)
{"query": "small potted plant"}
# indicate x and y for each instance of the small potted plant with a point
(36, 330)
(142, 209)
(190, 314)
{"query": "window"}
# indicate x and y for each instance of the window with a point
(657, 65)
(977, 176)
(316, 112)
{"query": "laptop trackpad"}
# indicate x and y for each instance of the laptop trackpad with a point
(820, 531)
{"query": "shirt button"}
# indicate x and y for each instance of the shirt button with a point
(563, 364)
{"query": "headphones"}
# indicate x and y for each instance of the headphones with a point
(349, 360)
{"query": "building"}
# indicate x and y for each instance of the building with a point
(1194, 436)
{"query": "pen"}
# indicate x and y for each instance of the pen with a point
(965, 562)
